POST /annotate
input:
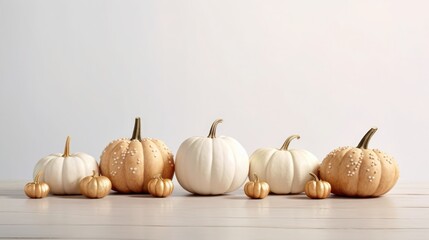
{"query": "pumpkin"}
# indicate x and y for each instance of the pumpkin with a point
(159, 187)
(286, 171)
(316, 188)
(36, 189)
(359, 171)
(130, 163)
(211, 165)
(257, 189)
(63, 171)
(95, 186)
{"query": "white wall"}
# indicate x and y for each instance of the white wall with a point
(328, 70)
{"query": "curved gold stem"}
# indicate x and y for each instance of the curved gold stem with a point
(67, 147)
(137, 130)
(315, 176)
(36, 179)
(256, 177)
(366, 138)
(287, 142)
(94, 174)
(212, 132)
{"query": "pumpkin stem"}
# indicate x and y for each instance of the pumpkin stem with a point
(158, 176)
(256, 177)
(285, 145)
(315, 177)
(36, 179)
(67, 147)
(365, 140)
(212, 133)
(137, 129)
(94, 174)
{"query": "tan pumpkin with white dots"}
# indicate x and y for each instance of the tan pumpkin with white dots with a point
(359, 171)
(256, 189)
(131, 163)
(36, 189)
(95, 186)
(159, 187)
(317, 189)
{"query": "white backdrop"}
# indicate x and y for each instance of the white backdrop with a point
(328, 70)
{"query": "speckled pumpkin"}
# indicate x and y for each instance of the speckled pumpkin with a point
(131, 163)
(359, 171)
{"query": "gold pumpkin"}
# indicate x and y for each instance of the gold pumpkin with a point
(95, 186)
(131, 163)
(36, 189)
(359, 171)
(256, 189)
(317, 189)
(159, 187)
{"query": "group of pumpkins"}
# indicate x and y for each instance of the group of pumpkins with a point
(212, 166)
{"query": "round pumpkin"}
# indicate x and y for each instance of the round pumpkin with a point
(63, 171)
(359, 171)
(95, 186)
(211, 165)
(130, 163)
(36, 189)
(159, 187)
(256, 189)
(316, 188)
(286, 171)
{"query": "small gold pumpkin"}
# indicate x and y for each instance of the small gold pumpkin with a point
(317, 189)
(36, 189)
(95, 186)
(256, 189)
(160, 187)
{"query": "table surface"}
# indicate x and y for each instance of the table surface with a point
(403, 213)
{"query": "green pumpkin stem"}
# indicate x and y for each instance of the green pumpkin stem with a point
(137, 129)
(315, 176)
(67, 147)
(365, 140)
(212, 133)
(285, 145)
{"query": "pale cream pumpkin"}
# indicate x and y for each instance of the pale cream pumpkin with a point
(36, 189)
(316, 188)
(359, 171)
(211, 165)
(256, 189)
(286, 171)
(63, 171)
(95, 186)
(131, 163)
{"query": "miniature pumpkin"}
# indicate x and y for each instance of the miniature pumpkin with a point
(211, 165)
(63, 171)
(359, 171)
(36, 189)
(131, 163)
(159, 187)
(257, 189)
(95, 186)
(286, 171)
(317, 188)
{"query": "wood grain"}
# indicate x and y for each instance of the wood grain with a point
(401, 214)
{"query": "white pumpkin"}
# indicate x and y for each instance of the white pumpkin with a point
(211, 165)
(63, 171)
(286, 171)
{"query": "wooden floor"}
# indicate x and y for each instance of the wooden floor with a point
(401, 214)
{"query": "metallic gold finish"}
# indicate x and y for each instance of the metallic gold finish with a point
(36, 189)
(159, 187)
(317, 189)
(95, 186)
(256, 189)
